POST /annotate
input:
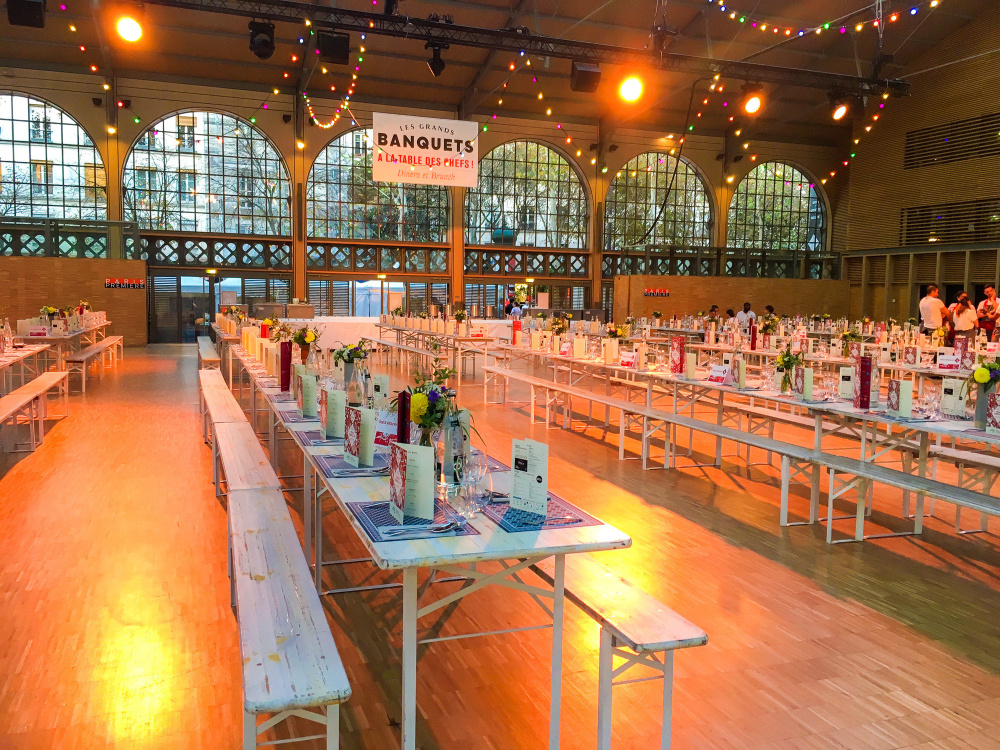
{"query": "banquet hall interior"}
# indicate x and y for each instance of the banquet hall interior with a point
(499, 374)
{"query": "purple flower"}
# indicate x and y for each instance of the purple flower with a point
(433, 396)
(995, 374)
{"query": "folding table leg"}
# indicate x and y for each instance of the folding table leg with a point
(668, 699)
(604, 685)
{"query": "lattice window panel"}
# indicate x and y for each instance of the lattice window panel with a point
(776, 207)
(343, 202)
(49, 166)
(340, 258)
(471, 261)
(528, 195)
(225, 254)
(315, 256)
(557, 265)
(438, 261)
(215, 171)
(391, 259)
(635, 204)
(416, 260)
(364, 259)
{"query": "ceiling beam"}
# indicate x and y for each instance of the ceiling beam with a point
(512, 41)
(465, 106)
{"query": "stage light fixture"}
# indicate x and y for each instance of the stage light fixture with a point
(129, 29)
(752, 99)
(630, 89)
(845, 107)
(436, 64)
(261, 38)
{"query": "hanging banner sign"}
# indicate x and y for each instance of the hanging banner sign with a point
(424, 150)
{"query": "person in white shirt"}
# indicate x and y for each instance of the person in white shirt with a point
(933, 313)
(989, 311)
(964, 316)
(746, 316)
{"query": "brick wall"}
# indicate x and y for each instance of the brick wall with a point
(28, 283)
(692, 294)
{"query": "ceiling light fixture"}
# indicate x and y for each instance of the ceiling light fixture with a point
(752, 99)
(129, 29)
(630, 89)
(436, 64)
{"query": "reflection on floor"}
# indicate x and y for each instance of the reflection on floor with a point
(116, 630)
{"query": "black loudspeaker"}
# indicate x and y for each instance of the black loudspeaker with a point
(26, 13)
(585, 77)
(334, 48)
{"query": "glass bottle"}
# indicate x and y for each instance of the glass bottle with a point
(356, 386)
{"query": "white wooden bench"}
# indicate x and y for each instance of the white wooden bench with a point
(208, 358)
(216, 402)
(976, 471)
(635, 627)
(30, 402)
(244, 465)
(109, 347)
(291, 666)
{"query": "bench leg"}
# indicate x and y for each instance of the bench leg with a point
(668, 699)
(785, 479)
(249, 731)
(604, 684)
(333, 726)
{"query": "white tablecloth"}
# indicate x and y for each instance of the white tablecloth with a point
(338, 331)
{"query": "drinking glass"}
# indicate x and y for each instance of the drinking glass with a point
(476, 487)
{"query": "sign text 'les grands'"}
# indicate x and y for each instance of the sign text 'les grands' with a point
(424, 150)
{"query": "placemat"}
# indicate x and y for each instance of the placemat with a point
(372, 514)
(280, 397)
(330, 465)
(315, 439)
(294, 415)
(268, 382)
(512, 520)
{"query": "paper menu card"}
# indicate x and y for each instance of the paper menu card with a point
(332, 408)
(411, 482)
(297, 371)
(965, 351)
(306, 396)
(900, 399)
(536, 341)
(530, 477)
(677, 355)
(911, 355)
(993, 413)
(854, 350)
(380, 391)
(802, 383)
(359, 436)
(579, 347)
(610, 347)
(953, 397)
(845, 390)
(740, 373)
(690, 365)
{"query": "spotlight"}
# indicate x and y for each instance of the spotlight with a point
(844, 107)
(631, 89)
(261, 38)
(752, 98)
(436, 64)
(129, 29)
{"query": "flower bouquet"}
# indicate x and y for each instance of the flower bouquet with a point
(983, 379)
(542, 316)
(559, 326)
(281, 332)
(305, 337)
(787, 361)
(769, 325)
(848, 337)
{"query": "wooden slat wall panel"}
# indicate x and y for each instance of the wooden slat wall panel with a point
(880, 186)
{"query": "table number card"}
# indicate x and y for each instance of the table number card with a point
(627, 359)
(359, 436)
(845, 390)
(579, 347)
(900, 403)
(911, 355)
(565, 347)
(721, 374)
(953, 397)
(948, 362)
(411, 482)
(332, 412)
(530, 477)
(885, 353)
(677, 355)
(993, 413)
(380, 391)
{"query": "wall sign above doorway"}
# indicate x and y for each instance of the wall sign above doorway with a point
(124, 283)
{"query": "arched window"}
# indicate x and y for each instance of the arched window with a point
(636, 197)
(206, 172)
(49, 167)
(528, 195)
(776, 207)
(344, 203)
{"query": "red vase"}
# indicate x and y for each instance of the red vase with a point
(286, 365)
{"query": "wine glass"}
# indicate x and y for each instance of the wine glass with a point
(475, 473)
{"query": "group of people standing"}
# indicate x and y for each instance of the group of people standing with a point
(963, 317)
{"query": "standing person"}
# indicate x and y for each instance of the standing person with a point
(769, 309)
(933, 312)
(964, 316)
(509, 304)
(746, 316)
(988, 312)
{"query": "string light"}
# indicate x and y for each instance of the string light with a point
(776, 27)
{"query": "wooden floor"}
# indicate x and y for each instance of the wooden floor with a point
(115, 629)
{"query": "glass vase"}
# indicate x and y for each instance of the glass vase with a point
(982, 405)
